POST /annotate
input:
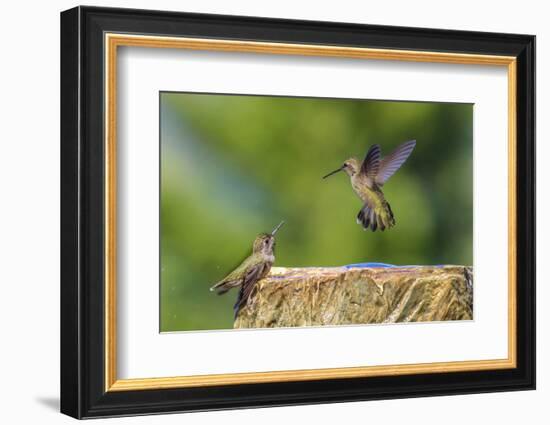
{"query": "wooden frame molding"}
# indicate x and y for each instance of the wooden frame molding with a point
(114, 40)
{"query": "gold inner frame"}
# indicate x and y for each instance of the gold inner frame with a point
(113, 41)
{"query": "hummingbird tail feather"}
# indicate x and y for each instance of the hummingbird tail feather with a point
(222, 287)
(221, 290)
(363, 217)
(368, 218)
(390, 214)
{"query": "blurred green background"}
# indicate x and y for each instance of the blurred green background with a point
(235, 166)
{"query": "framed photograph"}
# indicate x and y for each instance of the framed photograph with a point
(261, 212)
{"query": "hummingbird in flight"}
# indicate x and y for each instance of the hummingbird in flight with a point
(367, 179)
(254, 268)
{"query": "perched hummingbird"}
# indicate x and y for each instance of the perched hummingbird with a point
(251, 270)
(367, 180)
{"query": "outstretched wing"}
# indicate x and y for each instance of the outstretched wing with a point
(371, 163)
(252, 276)
(391, 163)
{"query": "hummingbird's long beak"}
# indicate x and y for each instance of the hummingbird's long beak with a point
(277, 228)
(334, 172)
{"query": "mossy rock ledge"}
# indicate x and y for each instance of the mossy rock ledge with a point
(329, 296)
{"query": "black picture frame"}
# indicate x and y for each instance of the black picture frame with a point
(83, 392)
